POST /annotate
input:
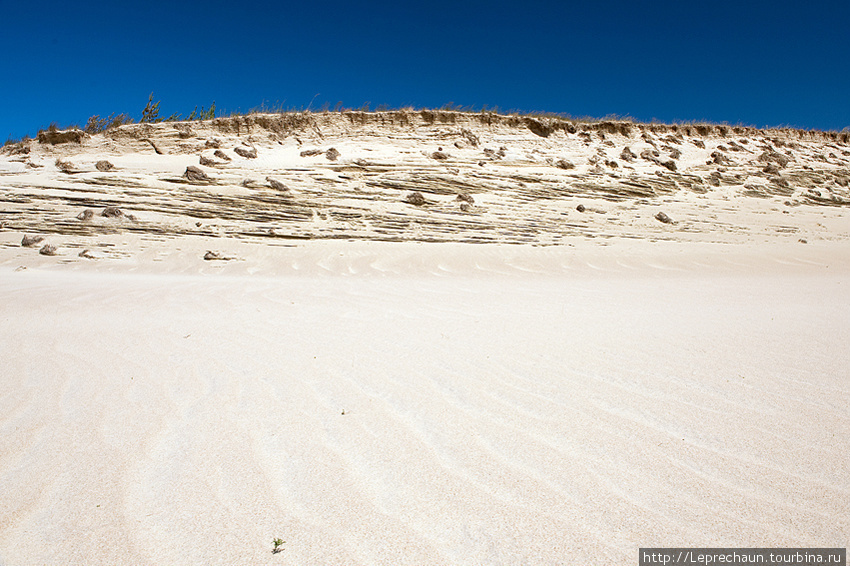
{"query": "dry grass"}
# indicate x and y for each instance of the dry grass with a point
(96, 124)
(16, 146)
(281, 120)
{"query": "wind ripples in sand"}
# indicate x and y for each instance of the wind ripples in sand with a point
(425, 419)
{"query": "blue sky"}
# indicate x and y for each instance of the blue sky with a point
(762, 63)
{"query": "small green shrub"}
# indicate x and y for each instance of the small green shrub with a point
(203, 114)
(151, 112)
(277, 543)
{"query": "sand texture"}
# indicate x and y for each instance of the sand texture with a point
(376, 381)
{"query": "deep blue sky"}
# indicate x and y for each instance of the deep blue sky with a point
(758, 63)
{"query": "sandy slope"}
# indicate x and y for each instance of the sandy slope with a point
(417, 403)
(718, 184)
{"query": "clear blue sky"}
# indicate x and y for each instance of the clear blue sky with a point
(758, 63)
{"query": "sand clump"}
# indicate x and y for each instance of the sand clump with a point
(416, 198)
(29, 241)
(196, 174)
(48, 249)
(246, 152)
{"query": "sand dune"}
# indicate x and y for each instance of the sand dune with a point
(717, 184)
(413, 402)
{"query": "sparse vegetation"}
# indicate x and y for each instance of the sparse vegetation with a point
(277, 545)
(16, 146)
(541, 123)
(96, 124)
(151, 112)
(203, 114)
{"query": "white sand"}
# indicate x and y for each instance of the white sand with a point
(612, 382)
(546, 406)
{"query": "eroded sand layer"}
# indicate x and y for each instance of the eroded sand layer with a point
(480, 178)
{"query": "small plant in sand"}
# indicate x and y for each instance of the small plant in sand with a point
(151, 112)
(96, 124)
(203, 114)
(277, 543)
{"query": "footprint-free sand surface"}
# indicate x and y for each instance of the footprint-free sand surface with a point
(425, 404)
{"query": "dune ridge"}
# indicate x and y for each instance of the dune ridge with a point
(431, 176)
